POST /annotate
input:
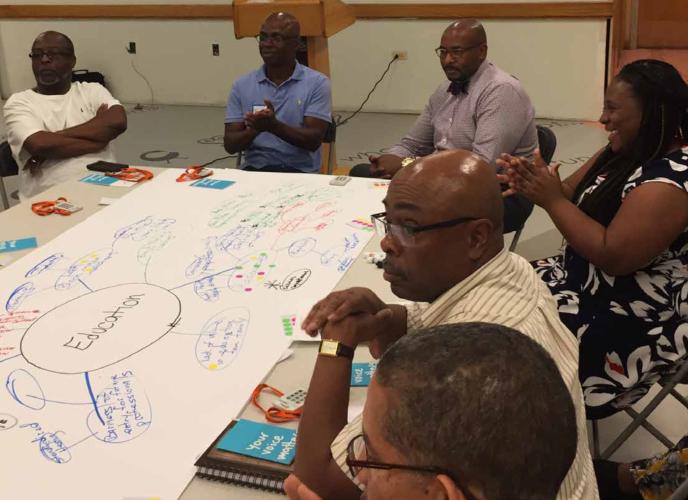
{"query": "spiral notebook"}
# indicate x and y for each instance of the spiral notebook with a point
(230, 467)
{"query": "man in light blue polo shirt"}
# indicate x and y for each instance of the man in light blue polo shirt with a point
(279, 113)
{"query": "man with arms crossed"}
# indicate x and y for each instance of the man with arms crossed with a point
(445, 251)
(59, 127)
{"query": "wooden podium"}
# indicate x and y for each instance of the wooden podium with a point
(319, 19)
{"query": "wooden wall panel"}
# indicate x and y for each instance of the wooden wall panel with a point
(526, 10)
(663, 24)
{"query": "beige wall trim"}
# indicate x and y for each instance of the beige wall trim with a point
(526, 10)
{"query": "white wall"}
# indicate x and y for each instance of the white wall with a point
(561, 63)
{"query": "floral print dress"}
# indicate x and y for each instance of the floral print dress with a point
(631, 329)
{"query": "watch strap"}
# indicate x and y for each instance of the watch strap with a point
(335, 349)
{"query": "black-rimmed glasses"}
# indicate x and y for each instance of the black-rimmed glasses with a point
(454, 51)
(357, 448)
(406, 235)
(50, 54)
(277, 38)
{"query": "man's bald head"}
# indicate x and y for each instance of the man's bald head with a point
(471, 27)
(288, 23)
(444, 222)
(55, 37)
(462, 181)
(462, 50)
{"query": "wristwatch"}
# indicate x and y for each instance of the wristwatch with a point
(335, 349)
(405, 162)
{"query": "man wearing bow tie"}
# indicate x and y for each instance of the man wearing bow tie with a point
(481, 109)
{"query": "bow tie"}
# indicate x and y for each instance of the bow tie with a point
(460, 87)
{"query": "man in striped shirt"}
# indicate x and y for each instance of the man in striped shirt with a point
(481, 109)
(445, 251)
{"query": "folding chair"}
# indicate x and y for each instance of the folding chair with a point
(547, 142)
(8, 167)
(668, 384)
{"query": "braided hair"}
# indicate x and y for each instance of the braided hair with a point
(663, 95)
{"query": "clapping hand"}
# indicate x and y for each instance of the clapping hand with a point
(536, 180)
(263, 120)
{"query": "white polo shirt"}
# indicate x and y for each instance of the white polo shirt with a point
(28, 112)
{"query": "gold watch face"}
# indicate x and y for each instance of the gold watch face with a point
(407, 161)
(329, 347)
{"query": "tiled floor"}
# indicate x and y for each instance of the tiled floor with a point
(178, 136)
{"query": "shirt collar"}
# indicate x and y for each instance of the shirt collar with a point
(296, 75)
(461, 289)
(462, 87)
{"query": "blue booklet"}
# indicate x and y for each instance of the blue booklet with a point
(361, 373)
(212, 183)
(15, 245)
(263, 441)
(221, 463)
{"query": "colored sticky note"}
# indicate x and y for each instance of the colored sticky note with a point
(264, 441)
(212, 183)
(14, 245)
(288, 325)
(361, 373)
(99, 179)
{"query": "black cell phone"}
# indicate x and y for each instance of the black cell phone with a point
(106, 166)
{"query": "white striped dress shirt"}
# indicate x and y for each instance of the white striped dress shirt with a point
(506, 291)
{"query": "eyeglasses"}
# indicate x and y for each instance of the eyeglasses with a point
(454, 51)
(277, 38)
(406, 235)
(50, 54)
(357, 449)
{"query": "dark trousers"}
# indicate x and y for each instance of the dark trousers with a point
(517, 208)
(273, 168)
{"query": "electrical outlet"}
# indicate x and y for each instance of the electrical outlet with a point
(216, 49)
(402, 55)
(132, 48)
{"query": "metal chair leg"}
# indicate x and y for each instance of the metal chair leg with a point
(640, 418)
(651, 429)
(595, 439)
(514, 241)
(330, 154)
(681, 399)
(3, 194)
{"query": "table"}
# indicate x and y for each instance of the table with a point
(291, 374)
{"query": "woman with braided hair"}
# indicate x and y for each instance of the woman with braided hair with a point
(621, 282)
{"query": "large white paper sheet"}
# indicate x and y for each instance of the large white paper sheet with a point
(129, 342)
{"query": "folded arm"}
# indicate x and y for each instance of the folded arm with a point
(55, 146)
(107, 125)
